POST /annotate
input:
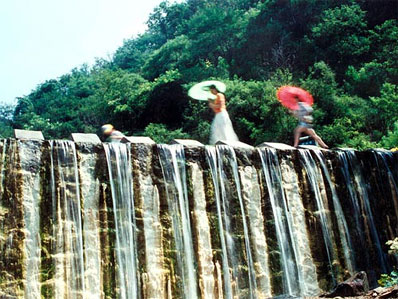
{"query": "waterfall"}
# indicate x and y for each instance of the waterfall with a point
(154, 278)
(227, 153)
(384, 156)
(172, 161)
(91, 227)
(361, 199)
(141, 220)
(299, 272)
(30, 156)
(68, 257)
(341, 220)
(202, 232)
(283, 223)
(305, 263)
(316, 182)
(120, 178)
(353, 197)
(223, 225)
(153, 242)
(251, 194)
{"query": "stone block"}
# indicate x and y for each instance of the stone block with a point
(86, 138)
(137, 139)
(235, 144)
(26, 134)
(280, 146)
(312, 147)
(187, 142)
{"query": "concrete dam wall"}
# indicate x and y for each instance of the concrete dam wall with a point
(144, 220)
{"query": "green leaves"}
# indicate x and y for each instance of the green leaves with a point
(343, 52)
(391, 279)
(388, 280)
(340, 38)
(160, 134)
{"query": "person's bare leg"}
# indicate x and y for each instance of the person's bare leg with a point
(318, 139)
(297, 133)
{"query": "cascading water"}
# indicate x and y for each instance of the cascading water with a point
(252, 199)
(120, 178)
(68, 256)
(392, 177)
(172, 161)
(30, 156)
(223, 225)
(201, 229)
(316, 181)
(341, 220)
(227, 153)
(289, 217)
(306, 267)
(231, 226)
(91, 228)
(283, 224)
(361, 199)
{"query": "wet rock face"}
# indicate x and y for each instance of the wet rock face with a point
(204, 222)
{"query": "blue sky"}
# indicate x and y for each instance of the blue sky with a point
(44, 39)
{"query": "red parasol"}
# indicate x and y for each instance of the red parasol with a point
(290, 95)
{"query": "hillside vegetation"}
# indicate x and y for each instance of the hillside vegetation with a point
(344, 52)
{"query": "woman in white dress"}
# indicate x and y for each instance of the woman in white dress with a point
(221, 127)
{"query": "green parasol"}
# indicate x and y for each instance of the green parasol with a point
(201, 91)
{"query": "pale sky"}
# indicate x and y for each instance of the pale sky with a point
(44, 39)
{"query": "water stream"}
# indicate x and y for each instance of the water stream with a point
(341, 220)
(134, 221)
(360, 199)
(173, 167)
(69, 259)
(223, 226)
(283, 223)
(120, 178)
(227, 159)
(316, 182)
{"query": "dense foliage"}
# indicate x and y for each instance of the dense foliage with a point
(344, 52)
(389, 280)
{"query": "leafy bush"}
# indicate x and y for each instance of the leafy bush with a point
(388, 280)
(391, 279)
(160, 134)
(390, 141)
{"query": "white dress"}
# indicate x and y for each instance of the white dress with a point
(221, 128)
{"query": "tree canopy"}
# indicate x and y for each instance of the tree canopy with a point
(344, 52)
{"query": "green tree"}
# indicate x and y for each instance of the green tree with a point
(134, 52)
(174, 54)
(340, 37)
(384, 112)
(6, 120)
(367, 79)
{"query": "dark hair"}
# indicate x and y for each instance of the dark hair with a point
(213, 87)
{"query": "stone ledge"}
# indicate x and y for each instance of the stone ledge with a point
(137, 140)
(235, 144)
(187, 142)
(313, 147)
(26, 134)
(276, 145)
(86, 138)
